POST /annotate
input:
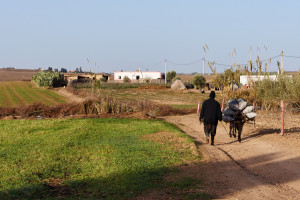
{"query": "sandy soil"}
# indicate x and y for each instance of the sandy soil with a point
(264, 165)
(64, 92)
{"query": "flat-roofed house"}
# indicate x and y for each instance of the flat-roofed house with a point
(136, 76)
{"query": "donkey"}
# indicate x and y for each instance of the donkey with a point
(237, 125)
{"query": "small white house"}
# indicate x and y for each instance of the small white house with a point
(138, 75)
(246, 80)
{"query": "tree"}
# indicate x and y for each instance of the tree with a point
(236, 76)
(199, 81)
(171, 75)
(63, 70)
(218, 81)
(229, 77)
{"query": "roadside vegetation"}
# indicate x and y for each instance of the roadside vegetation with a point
(268, 93)
(91, 158)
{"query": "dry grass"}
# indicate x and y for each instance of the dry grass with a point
(95, 107)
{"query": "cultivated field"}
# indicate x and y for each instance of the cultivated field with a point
(95, 159)
(16, 74)
(141, 159)
(21, 93)
(165, 96)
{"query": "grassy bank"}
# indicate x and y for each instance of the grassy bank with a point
(88, 158)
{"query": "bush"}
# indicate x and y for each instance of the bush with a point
(103, 80)
(47, 79)
(126, 79)
(171, 75)
(218, 81)
(199, 81)
(268, 93)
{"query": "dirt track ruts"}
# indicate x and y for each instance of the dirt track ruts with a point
(264, 165)
(64, 92)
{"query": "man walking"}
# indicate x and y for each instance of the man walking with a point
(211, 113)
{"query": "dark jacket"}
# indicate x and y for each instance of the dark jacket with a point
(211, 112)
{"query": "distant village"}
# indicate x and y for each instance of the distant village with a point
(138, 76)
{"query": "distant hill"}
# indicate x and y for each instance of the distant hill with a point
(16, 74)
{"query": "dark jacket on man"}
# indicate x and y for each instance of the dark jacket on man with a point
(211, 111)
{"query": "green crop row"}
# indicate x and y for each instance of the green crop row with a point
(87, 158)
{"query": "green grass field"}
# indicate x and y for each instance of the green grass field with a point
(89, 158)
(21, 93)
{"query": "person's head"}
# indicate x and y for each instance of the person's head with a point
(212, 94)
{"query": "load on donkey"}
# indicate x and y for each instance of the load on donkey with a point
(237, 113)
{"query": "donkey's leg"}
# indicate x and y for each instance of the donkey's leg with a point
(231, 127)
(240, 129)
(234, 130)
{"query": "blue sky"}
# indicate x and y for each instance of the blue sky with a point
(132, 34)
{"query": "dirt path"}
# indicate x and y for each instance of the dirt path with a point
(64, 92)
(264, 166)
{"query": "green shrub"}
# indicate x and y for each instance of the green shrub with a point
(270, 93)
(199, 81)
(126, 79)
(103, 80)
(171, 75)
(47, 78)
(176, 78)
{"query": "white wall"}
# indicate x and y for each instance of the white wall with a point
(134, 75)
(245, 80)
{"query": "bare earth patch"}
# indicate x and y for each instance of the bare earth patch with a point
(64, 92)
(264, 166)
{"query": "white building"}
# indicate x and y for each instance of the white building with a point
(138, 75)
(246, 80)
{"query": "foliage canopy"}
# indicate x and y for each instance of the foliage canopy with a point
(47, 78)
(171, 75)
(199, 81)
